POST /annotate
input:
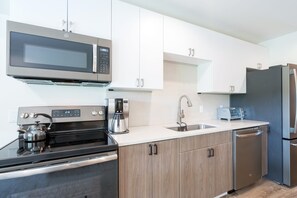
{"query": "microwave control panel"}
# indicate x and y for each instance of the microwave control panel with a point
(104, 62)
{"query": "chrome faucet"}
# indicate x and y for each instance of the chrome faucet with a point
(180, 112)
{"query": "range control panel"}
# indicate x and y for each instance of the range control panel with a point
(66, 113)
(29, 115)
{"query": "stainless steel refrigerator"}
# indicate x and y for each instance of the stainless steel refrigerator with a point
(271, 96)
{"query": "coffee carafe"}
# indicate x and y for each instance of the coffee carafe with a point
(118, 114)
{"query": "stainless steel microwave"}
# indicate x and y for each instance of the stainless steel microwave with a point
(47, 56)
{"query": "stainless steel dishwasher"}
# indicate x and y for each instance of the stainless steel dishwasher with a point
(247, 157)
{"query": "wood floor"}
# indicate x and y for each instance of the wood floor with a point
(264, 189)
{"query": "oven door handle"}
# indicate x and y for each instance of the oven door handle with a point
(58, 167)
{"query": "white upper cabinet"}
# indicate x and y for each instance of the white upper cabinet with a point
(137, 44)
(186, 40)
(256, 56)
(89, 17)
(47, 13)
(228, 71)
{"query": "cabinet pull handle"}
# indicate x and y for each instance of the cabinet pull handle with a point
(208, 153)
(193, 50)
(142, 82)
(63, 25)
(155, 149)
(70, 26)
(190, 51)
(137, 82)
(151, 149)
(212, 152)
(259, 65)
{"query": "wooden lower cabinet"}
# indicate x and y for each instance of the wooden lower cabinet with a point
(149, 170)
(206, 172)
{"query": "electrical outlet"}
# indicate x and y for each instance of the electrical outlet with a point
(201, 108)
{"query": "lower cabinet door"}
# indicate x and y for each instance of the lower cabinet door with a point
(196, 178)
(206, 172)
(135, 172)
(166, 169)
(149, 170)
(223, 168)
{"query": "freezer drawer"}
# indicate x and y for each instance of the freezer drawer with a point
(290, 162)
(247, 157)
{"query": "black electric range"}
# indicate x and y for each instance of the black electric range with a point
(56, 146)
(82, 133)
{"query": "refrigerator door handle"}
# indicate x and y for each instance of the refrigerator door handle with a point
(295, 80)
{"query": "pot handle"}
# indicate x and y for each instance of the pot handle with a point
(35, 115)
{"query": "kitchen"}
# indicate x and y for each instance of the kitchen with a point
(178, 79)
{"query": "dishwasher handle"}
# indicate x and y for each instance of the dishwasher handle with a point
(257, 133)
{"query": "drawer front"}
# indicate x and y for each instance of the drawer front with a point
(206, 140)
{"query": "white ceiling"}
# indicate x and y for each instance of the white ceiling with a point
(251, 20)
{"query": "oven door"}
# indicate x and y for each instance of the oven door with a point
(85, 176)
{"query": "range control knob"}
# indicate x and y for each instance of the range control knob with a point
(24, 115)
(101, 112)
(94, 113)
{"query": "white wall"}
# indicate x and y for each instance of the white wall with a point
(146, 108)
(282, 50)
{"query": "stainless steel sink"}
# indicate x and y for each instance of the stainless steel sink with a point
(191, 127)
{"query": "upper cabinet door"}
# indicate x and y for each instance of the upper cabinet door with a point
(46, 13)
(90, 17)
(151, 49)
(186, 39)
(125, 45)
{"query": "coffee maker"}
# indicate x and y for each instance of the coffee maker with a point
(118, 115)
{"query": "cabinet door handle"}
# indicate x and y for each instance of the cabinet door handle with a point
(155, 149)
(137, 82)
(64, 26)
(193, 50)
(151, 149)
(259, 65)
(142, 82)
(208, 153)
(70, 26)
(212, 152)
(190, 51)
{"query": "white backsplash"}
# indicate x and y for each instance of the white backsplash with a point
(160, 107)
(146, 108)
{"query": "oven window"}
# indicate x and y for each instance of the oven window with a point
(99, 180)
(47, 53)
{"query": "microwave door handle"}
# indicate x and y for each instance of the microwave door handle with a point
(94, 58)
(295, 81)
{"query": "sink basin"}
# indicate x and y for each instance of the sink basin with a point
(191, 127)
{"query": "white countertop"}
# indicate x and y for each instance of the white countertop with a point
(144, 134)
